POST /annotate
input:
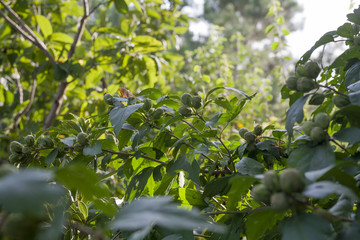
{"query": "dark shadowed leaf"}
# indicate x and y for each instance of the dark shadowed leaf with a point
(28, 190)
(51, 157)
(306, 158)
(350, 135)
(249, 166)
(295, 114)
(307, 226)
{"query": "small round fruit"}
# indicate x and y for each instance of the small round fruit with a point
(317, 99)
(196, 102)
(47, 142)
(242, 132)
(82, 138)
(108, 99)
(291, 181)
(157, 113)
(318, 134)
(258, 130)
(185, 111)
(305, 84)
(186, 99)
(271, 181)
(322, 120)
(261, 194)
(280, 201)
(26, 149)
(300, 71)
(291, 83)
(15, 157)
(341, 101)
(312, 69)
(249, 137)
(30, 140)
(307, 127)
(16, 147)
(147, 104)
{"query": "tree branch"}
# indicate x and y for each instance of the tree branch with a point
(125, 154)
(80, 29)
(26, 31)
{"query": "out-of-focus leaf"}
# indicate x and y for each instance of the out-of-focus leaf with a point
(350, 135)
(324, 188)
(28, 190)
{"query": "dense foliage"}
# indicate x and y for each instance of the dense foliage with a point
(153, 165)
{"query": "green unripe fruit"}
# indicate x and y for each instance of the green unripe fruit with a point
(261, 194)
(271, 181)
(280, 201)
(307, 127)
(242, 132)
(147, 104)
(26, 149)
(300, 71)
(196, 102)
(305, 84)
(82, 138)
(108, 99)
(317, 99)
(317, 134)
(291, 181)
(78, 147)
(16, 147)
(249, 137)
(185, 111)
(157, 113)
(312, 69)
(341, 101)
(258, 130)
(15, 157)
(6, 169)
(47, 142)
(186, 99)
(291, 83)
(29, 140)
(322, 120)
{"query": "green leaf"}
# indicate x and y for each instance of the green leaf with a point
(121, 6)
(219, 186)
(355, 98)
(350, 135)
(212, 122)
(351, 112)
(138, 183)
(323, 189)
(295, 114)
(92, 150)
(162, 212)
(354, 87)
(44, 24)
(240, 186)
(249, 166)
(307, 158)
(28, 190)
(61, 37)
(83, 209)
(191, 197)
(270, 147)
(260, 221)
(226, 88)
(51, 157)
(119, 115)
(343, 207)
(326, 38)
(307, 226)
(346, 30)
(342, 60)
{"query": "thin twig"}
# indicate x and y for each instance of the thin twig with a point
(332, 89)
(116, 235)
(80, 29)
(26, 31)
(125, 154)
(338, 144)
(3, 218)
(97, 6)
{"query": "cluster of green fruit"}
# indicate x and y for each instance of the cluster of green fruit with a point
(316, 129)
(304, 79)
(279, 190)
(154, 114)
(251, 136)
(82, 140)
(20, 152)
(188, 103)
